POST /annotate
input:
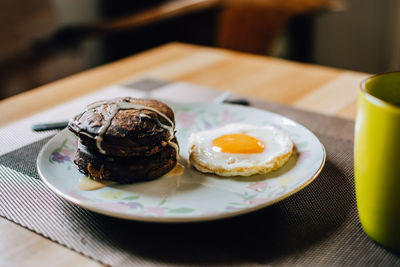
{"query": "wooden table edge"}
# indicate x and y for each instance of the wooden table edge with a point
(88, 81)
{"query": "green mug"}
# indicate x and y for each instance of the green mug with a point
(377, 158)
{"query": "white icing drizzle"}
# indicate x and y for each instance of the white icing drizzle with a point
(89, 107)
(124, 104)
(103, 129)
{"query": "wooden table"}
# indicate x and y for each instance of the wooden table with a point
(316, 88)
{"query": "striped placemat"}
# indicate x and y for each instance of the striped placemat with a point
(317, 226)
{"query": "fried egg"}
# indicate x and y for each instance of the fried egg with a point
(239, 150)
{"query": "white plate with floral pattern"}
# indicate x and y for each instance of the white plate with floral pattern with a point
(192, 196)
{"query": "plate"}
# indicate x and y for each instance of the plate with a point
(192, 196)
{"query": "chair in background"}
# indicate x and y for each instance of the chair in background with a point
(37, 49)
(254, 25)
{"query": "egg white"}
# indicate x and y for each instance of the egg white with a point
(277, 151)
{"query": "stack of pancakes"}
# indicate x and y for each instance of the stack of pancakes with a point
(125, 140)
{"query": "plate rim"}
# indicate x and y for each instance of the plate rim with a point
(182, 219)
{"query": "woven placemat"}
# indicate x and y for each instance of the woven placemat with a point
(316, 226)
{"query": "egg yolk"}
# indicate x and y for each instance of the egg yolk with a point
(238, 143)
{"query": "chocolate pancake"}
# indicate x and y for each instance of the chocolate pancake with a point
(125, 127)
(125, 169)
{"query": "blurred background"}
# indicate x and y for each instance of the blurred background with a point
(45, 40)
